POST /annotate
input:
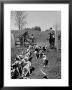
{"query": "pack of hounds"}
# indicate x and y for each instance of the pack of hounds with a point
(22, 67)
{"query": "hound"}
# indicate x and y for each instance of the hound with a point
(44, 57)
(45, 61)
(27, 56)
(26, 67)
(28, 49)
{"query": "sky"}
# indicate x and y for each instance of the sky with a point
(43, 19)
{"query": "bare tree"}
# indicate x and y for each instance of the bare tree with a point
(20, 17)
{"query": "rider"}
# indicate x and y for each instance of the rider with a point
(52, 39)
(32, 38)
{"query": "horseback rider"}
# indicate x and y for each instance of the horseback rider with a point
(32, 38)
(52, 39)
(25, 35)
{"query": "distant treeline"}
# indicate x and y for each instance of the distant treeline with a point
(37, 28)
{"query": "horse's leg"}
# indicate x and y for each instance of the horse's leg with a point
(50, 43)
(53, 42)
